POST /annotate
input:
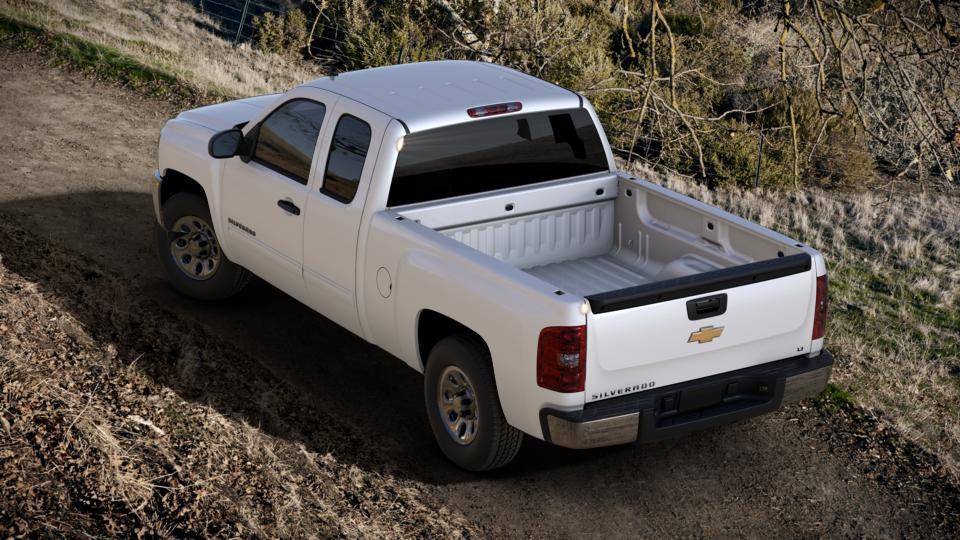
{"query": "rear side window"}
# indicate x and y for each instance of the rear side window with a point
(348, 152)
(288, 138)
(496, 153)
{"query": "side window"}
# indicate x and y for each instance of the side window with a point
(348, 151)
(288, 138)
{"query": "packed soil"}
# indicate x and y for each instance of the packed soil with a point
(127, 408)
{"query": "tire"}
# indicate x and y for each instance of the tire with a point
(214, 276)
(491, 443)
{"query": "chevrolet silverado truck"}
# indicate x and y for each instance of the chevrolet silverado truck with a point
(470, 220)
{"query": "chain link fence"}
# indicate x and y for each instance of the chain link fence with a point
(234, 21)
(235, 17)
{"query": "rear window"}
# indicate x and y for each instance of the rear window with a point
(496, 153)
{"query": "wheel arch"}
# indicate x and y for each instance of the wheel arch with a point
(175, 182)
(433, 326)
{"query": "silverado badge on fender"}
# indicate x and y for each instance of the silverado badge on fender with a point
(705, 334)
(241, 226)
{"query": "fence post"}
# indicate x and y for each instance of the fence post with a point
(756, 181)
(246, 5)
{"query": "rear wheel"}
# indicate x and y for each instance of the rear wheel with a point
(463, 407)
(190, 253)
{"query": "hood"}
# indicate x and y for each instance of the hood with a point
(228, 114)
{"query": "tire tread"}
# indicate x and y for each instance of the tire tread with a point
(506, 439)
(230, 279)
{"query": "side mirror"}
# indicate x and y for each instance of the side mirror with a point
(225, 144)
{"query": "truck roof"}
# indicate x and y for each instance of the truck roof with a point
(426, 95)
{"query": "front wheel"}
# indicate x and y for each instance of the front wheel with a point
(190, 253)
(463, 407)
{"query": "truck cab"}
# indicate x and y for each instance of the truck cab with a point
(470, 220)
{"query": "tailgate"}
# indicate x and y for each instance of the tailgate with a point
(677, 330)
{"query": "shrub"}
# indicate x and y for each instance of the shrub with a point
(296, 32)
(396, 33)
(727, 64)
(268, 32)
(833, 149)
(565, 42)
(731, 158)
(285, 34)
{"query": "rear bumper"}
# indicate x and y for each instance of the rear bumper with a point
(674, 410)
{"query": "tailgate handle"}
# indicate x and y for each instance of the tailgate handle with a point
(708, 306)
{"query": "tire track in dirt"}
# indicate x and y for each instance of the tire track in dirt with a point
(75, 172)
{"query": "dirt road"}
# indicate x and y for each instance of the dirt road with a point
(76, 156)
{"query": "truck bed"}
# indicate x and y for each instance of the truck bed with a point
(664, 275)
(589, 275)
(602, 239)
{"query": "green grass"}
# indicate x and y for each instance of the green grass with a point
(834, 397)
(103, 61)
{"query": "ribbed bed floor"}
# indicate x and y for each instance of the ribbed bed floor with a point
(589, 275)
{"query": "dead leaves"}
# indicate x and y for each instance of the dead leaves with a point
(111, 427)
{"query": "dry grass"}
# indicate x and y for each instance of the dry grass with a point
(111, 425)
(894, 258)
(170, 36)
(894, 320)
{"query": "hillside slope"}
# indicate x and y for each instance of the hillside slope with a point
(169, 36)
(75, 222)
(138, 454)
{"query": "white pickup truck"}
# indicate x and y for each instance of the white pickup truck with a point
(469, 219)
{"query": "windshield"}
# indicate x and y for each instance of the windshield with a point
(496, 153)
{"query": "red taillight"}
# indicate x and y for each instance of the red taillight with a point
(820, 317)
(562, 358)
(490, 110)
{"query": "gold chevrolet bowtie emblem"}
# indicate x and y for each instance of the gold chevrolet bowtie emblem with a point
(705, 334)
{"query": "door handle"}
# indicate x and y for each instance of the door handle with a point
(288, 206)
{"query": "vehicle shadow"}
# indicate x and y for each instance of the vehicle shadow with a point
(326, 366)
(684, 485)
